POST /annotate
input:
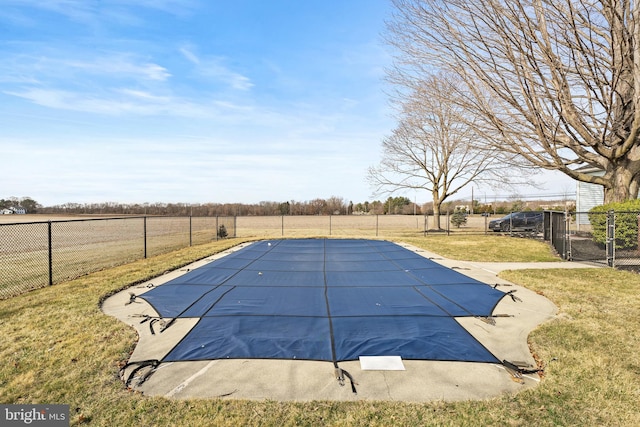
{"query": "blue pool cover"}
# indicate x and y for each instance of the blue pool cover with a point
(325, 299)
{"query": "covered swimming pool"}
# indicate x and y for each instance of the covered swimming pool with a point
(324, 299)
(262, 320)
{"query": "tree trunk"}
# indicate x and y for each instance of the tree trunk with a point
(623, 185)
(436, 209)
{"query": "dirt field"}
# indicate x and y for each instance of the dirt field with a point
(343, 225)
(84, 243)
(14, 219)
(34, 252)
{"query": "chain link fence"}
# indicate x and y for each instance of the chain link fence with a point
(24, 258)
(38, 254)
(607, 238)
(288, 226)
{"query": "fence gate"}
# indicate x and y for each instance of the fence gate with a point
(556, 231)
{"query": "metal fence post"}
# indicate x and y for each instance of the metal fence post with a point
(611, 238)
(567, 235)
(552, 236)
(448, 223)
(329, 225)
(424, 230)
(190, 231)
(546, 227)
(144, 232)
(50, 244)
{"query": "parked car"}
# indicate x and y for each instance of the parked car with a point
(518, 221)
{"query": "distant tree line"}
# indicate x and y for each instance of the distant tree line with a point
(331, 206)
(30, 205)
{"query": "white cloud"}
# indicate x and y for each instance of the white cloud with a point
(191, 168)
(119, 64)
(187, 52)
(145, 96)
(117, 102)
(214, 69)
(89, 12)
(68, 66)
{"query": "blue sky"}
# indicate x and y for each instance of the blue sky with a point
(191, 101)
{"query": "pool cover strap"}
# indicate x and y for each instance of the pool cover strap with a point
(513, 296)
(153, 363)
(516, 370)
(340, 374)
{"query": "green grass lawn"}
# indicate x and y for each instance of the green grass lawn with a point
(485, 248)
(58, 347)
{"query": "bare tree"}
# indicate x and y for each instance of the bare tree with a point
(434, 147)
(335, 205)
(556, 82)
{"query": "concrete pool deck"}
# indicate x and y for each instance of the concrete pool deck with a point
(299, 380)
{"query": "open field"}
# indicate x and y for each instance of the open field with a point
(363, 226)
(365, 222)
(58, 347)
(83, 244)
(8, 219)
